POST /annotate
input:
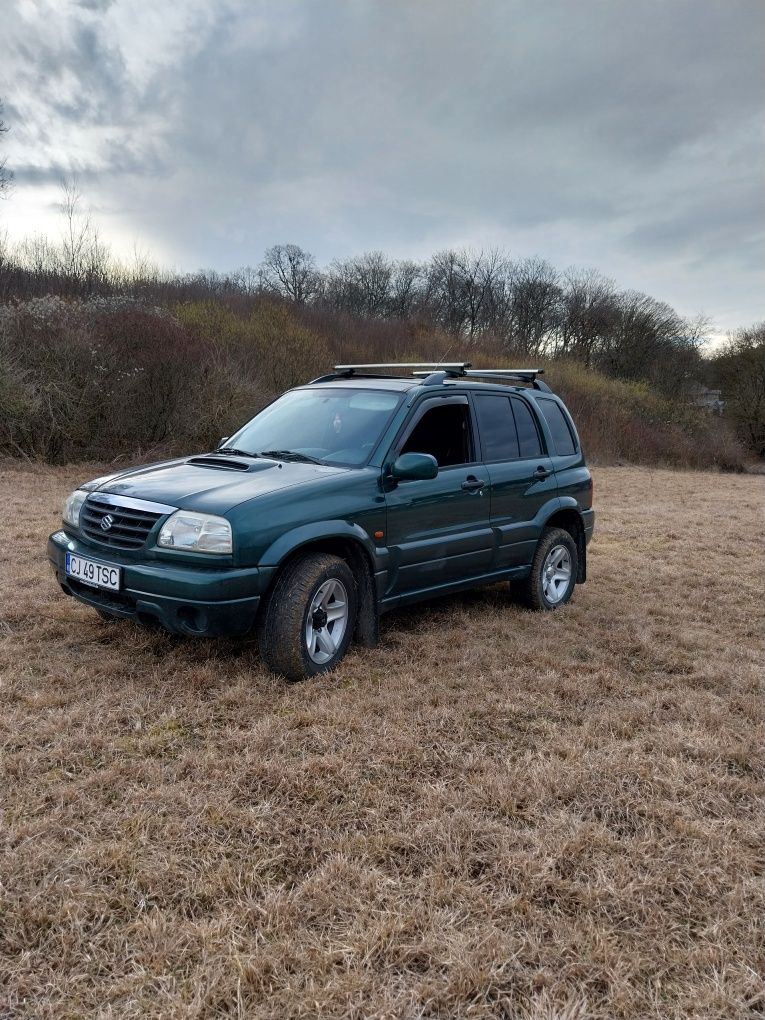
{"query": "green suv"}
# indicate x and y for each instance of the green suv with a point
(356, 493)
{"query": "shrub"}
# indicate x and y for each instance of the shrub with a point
(91, 379)
(627, 421)
(104, 377)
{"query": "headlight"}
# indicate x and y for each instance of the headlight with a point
(72, 507)
(196, 532)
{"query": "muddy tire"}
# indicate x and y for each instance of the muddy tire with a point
(309, 616)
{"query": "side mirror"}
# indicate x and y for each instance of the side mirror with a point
(223, 441)
(414, 467)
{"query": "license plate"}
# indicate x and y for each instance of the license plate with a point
(97, 575)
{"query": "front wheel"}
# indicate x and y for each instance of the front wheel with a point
(307, 622)
(553, 571)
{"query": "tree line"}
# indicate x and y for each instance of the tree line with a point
(523, 308)
(483, 302)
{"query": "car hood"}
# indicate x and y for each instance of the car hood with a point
(210, 483)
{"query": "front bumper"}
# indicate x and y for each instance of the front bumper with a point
(183, 599)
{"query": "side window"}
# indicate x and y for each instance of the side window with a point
(497, 427)
(443, 432)
(529, 443)
(562, 435)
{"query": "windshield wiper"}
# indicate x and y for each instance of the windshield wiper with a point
(292, 455)
(236, 452)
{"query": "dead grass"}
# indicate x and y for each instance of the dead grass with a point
(495, 814)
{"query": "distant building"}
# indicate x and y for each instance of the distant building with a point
(710, 400)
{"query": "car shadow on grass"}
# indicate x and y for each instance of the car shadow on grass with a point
(413, 617)
(152, 645)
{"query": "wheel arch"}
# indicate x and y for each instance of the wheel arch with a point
(569, 519)
(351, 544)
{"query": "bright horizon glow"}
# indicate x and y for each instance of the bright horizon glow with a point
(208, 131)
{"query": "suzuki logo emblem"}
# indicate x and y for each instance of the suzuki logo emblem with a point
(106, 522)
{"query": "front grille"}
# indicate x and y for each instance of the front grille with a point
(129, 529)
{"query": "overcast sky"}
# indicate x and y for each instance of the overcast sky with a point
(622, 134)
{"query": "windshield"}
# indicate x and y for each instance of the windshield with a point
(331, 426)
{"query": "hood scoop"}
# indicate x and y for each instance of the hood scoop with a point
(221, 463)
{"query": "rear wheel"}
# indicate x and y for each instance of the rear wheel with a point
(553, 571)
(307, 622)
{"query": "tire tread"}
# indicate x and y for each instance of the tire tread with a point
(280, 620)
(529, 590)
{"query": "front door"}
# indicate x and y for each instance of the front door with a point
(521, 474)
(439, 531)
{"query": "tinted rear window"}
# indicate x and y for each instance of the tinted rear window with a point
(497, 426)
(528, 438)
(559, 426)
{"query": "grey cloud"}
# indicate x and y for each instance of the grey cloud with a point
(617, 133)
(95, 5)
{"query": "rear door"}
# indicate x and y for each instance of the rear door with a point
(438, 529)
(520, 471)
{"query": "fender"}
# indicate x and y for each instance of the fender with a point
(289, 542)
(559, 503)
(367, 624)
(569, 503)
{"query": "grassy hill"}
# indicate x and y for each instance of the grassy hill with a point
(116, 378)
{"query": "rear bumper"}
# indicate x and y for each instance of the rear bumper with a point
(205, 602)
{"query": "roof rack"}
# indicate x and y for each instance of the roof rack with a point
(458, 367)
(496, 373)
(511, 375)
(433, 373)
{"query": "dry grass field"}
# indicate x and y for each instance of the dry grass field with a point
(494, 814)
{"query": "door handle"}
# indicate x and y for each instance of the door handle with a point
(542, 472)
(472, 484)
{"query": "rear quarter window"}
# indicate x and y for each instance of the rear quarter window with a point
(562, 433)
(529, 443)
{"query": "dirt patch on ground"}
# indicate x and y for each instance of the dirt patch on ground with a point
(496, 813)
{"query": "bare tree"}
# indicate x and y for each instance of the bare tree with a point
(39, 256)
(84, 257)
(405, 288)
(445, 293)
(6, 175)
(361, 285)
(647, 341)
(76, 228)
(535, 306)
(739, 368)
(589, 313)
(460, 290)
(246, 279)
(290, 271)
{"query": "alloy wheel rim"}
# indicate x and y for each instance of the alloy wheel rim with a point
(556, 574)
(326, 621)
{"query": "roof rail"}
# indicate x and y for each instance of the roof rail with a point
(458, 367)
(522, 373)
(432, 373)
(512, 375)
(526, 375)
(498, 373)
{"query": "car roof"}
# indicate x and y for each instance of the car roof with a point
(403, 384)
(366, 382)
